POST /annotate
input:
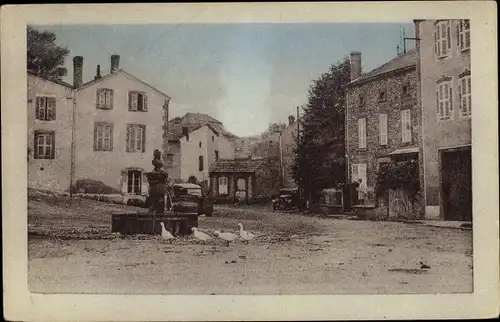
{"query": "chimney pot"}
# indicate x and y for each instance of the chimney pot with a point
(77, 71)
(115, 63)
(355, 65)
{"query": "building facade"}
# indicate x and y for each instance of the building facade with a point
(383, 123)
(253, 179)
(243, 147)
(445, 87)
(107, 145)
(193, 148)
(50, 115)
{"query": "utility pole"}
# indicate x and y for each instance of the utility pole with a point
(298, 145)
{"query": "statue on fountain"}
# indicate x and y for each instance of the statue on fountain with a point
(157, 180)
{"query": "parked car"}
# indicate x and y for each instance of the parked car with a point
(288, 199)
(189, 197)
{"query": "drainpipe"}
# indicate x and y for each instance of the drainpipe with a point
(72, 168)
(281, 163)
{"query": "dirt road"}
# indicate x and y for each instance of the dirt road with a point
(293, 255)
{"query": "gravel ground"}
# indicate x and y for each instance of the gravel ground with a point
(71, 250)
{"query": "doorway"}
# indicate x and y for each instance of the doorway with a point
(456, 184)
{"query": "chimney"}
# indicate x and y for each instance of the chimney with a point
(355, 65)
(185, 132)
(77, 71)
(98, 72)
(115, 63)
(291, 119)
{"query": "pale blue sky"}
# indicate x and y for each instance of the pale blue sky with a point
(245, 75)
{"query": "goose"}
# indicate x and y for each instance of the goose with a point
(228, 237)
(165, 234)
(200, 235)
(245, 235)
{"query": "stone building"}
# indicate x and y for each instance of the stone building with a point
(445, 72)
(192, 148)
(383, 123)
(254, 177)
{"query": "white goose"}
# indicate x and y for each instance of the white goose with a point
(200, 235)
(165, 234)
(228, 237)
(245, 235)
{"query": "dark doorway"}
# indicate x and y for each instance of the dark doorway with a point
(456, 171)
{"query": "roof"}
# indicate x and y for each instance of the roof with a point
(51, 80)
(404, 151)
(198, 120)
(401, 62)
(95, 81)
(240, 165)
(199, 117)
(175, 130)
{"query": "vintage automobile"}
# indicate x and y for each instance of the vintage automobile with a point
(189, 197)
(288, 199)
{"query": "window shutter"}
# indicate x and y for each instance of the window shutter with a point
(354, 172)
(35, 145)
(97, 97)
(362, 174)
(145, 103)
(144, 138)
(133, 101)
(95, 136)
(448, 35)
(129, 137)
(362, 133)
(111, 97)
(37, 107)
(437, 104)
(406, 126)
(450, 98)
(383, 129)
(111, 137)
(53, 145)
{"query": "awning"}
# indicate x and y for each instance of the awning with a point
(404, 151)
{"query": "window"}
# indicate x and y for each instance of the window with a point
(382, 96)
(362, 133)
(216, 155)
(104, 99)
(405, 90)
(103, 136)
(200, 163)
(134, 182)
(44, 145)
(223, 186)
(358, 171)
(464, 92)
(136, 138)
(169, 159)
(199, 144)
(382, 121)
(361, 100)
(213, 138)
(464, 35)
(137, 101)
(444, 101)
(45, 108)
(406, 126)
(442, 39)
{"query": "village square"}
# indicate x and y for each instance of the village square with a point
(365, 188)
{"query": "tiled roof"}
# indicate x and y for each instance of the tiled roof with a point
(200, 119)
(400, 62)
(175, 131)
(238, 165)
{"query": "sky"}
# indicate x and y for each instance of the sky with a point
(245, 75)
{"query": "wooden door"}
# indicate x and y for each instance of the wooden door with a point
(456, 187)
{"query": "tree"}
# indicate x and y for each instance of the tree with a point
(45, 58)
(320, 153)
